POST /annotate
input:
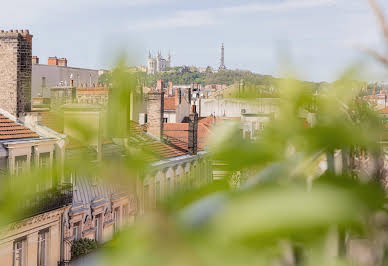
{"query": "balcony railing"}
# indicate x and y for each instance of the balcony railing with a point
(47, 200)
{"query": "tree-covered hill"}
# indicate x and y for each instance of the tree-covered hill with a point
(189, 75)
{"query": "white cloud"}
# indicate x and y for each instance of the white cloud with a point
(181, 19)
(31, 11)
(211, 16)
(278, 6)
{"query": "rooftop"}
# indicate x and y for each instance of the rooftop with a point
(169, 103)
(9, 129)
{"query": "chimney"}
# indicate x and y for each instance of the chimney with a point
(188, 95)
(155, 111)
(170, 88)
(159, 85)
(62, 62)
(193, 132)
(35, 60)
(15, 71)
(52, 61)
(178, 97)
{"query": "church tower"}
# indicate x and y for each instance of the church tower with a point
(222, 64)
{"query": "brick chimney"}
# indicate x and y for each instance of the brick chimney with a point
(193, 132)
(159, 85)
(35, 60)
(15, 71)
(52, 61)
(155, 111)
(62, 62)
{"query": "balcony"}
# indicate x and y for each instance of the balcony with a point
(48, 200)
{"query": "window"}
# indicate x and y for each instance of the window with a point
(98, 228)
(42, 248)
(125, 213)
(117, 219)
(146, 198)
(20, 164)
(157, 191)
(77, 231)
(165, 119)
(44, 160)
(19, 252)
(168, 186)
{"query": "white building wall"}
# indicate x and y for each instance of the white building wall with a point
(56, 74)
(234, 107)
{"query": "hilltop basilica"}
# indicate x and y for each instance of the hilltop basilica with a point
(158, 64)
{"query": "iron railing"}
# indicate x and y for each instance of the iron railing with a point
(48, 200)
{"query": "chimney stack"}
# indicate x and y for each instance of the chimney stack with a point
(155, 111)
(193, 132)
(170, 88)
(15, 71)
(35, 60)
(178, 97)
(52, 61)
(62, 62)
(159, 85)
(188, 95)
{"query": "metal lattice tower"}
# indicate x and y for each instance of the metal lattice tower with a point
(222, 65)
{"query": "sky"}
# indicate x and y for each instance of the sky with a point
(318, 38)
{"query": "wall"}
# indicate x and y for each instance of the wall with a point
(171, 116)
(185, 175)
(56, 74)
(15, 72)
(30, 228)
(233, 107)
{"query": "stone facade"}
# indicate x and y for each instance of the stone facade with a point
(155, 109)
(15, 71)
(19, 241)
(158, 64)
(190, 172)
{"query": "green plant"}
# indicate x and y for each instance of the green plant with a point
(82, 247)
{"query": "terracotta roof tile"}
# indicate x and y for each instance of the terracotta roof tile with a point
(155, 149)
(384, 110)
(52, 120)
(10, 129)
(169, 103)
(104, 91)
(179, 132)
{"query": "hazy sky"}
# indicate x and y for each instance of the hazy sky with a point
(319, 36)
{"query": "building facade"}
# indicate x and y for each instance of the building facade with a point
(56, 73)
(158, 64)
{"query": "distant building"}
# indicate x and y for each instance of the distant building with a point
(57, 73)
(235, 107)
(158, 64)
